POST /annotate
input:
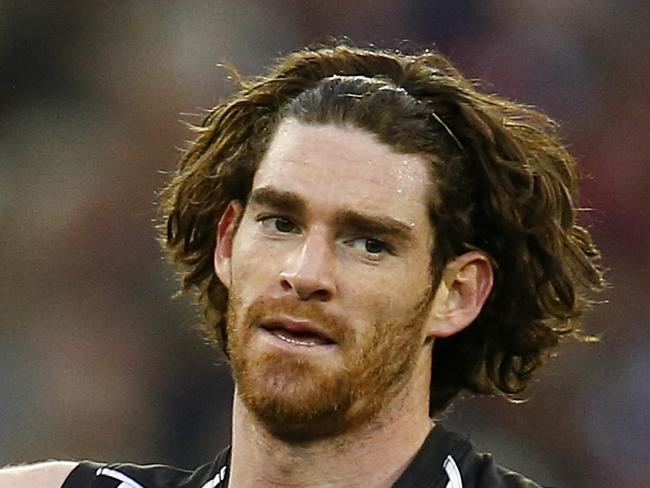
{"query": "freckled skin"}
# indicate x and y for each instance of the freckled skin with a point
(375, 304)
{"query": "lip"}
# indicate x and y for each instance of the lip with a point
(291, 324)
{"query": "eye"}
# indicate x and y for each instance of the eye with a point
(370, 246)
(278, 224)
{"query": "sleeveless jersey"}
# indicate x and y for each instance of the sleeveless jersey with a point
(445, 460)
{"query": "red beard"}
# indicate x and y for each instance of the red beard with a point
(299, 398)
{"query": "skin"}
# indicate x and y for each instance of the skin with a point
(355, 283)
(47, 474)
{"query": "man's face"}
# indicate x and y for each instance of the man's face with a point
(329, 280)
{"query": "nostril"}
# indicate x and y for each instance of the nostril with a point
(322, 295)
(305, 289)
(286, 286)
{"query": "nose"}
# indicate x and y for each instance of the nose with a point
(308, 272)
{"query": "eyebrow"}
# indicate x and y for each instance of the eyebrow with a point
(281, 200)
(346, 219)
(351, 220)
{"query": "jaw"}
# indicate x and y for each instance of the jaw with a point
(305, 393)
(298, 400)
(297, 396)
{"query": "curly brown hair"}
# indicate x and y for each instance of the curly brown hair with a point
(504, 185)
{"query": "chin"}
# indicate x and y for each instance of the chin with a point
(304, 430)
(296, 401)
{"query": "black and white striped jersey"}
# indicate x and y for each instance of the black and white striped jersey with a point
(445, 460)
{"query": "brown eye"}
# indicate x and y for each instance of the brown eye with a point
(373, 246)
(278, 224)
(284, 225)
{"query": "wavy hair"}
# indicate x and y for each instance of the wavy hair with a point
(504, 185)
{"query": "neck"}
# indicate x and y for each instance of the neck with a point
(380, 450)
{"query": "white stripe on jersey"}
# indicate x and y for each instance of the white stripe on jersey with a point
(453, 473)
(116, 475)
(218, 478)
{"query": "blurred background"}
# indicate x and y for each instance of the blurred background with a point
(96, 360)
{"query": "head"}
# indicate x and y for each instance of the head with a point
(281, 208)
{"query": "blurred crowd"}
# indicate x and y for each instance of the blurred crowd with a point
(96, 360)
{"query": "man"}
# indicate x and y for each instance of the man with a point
(367, 235)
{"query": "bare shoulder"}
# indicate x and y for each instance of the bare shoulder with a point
(50, 474)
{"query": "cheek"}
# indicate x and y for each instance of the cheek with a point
(415, 279)
(378, 303)
(391, 291)
(257, 264)
(250, 265)
(371, 309)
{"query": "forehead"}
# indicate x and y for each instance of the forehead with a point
(333, 165)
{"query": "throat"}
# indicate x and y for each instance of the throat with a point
(261, 459)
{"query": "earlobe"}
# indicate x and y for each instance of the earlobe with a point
(465, 286)
(225, 235)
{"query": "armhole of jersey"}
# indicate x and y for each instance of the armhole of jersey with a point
(83, 476)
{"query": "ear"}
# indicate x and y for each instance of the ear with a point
(225, 236)
(464, 287)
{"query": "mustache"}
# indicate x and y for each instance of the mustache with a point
(264, 308)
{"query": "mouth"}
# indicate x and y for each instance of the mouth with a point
(300, 333)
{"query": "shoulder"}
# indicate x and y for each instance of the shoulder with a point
(467, 468)
(88, 474)
(447, 459)
(489, 474)
(50, 474)
(515, 480)
(126, 475)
